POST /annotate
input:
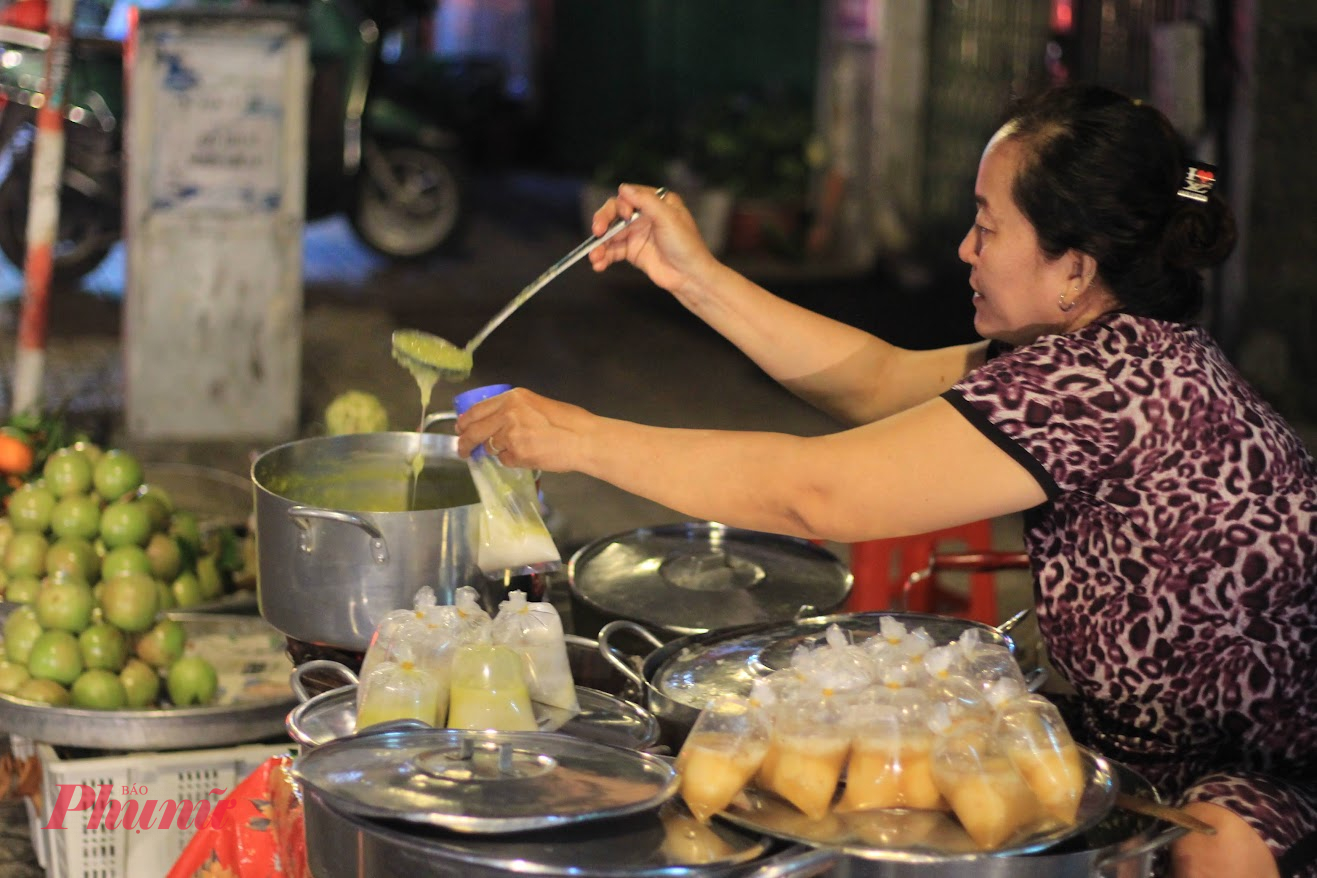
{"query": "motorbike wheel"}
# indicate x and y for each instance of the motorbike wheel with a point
(409, 201)
(87, 230)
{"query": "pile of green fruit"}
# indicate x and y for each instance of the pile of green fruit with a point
(92, 555)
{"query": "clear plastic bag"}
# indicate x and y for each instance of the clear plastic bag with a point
(890, 762)
(412, 629)
(810, 741)
(513, 536)
(1040, 747)
(489, 690)
(533, 630)
(724, 749)
(988, 795)
(397, 689)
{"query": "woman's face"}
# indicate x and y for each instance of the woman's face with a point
(1017, 289)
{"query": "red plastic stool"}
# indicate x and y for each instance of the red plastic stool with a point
(981, 602)
(880, 568)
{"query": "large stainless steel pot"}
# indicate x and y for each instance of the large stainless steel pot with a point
(679, 676)
(329, 566)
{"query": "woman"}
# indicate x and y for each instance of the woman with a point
(1171, 515)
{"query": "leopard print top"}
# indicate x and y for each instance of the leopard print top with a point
(1175, 560)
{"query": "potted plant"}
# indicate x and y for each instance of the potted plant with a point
(764, 152)
(649, 155)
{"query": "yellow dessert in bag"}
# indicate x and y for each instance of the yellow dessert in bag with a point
(808, 769)
(489, 691)
(721, 754)
(714, 767)
(873, 776)
(397, 690)
(986, 793)
(1040, 747)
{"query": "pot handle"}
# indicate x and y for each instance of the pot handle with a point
(437, 418)
(1161, 840)
(306, 539)
(609, 652)
(798, 863)
(335, 668)
(395, 725)
(1009, 625)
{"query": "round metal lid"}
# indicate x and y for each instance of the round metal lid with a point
(728, 661)
(485, 782)
(688, 578)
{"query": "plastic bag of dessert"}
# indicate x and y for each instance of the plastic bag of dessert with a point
(895, 638)
(412, 626)
(472, 623)
(972, 771)
(810, 741)
(397, 689)
(836, 664)
(1039, 745)
(533, 630)
(986, 663)
(513, 536)
(721, 754)
(890, 760)
(489, 690)
(947, 683)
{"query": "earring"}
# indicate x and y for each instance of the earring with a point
(1061, 302)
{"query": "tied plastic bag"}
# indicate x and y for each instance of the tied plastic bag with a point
(489, 691)
(413, 627)
(513, 536)
(429, 632)
(533, 630)
(890, 763)
(723, 751)
(974, 774)
(398, 689)
(472, 624)
(1040, 747)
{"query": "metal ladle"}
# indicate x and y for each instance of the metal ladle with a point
(416, 349)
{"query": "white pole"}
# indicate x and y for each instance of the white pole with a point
(43, 213)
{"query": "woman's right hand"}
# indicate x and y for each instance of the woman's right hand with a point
(664, 243)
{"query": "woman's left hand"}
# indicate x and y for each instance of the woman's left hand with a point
(524, 429)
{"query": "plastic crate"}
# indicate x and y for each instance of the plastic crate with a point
(188, 776)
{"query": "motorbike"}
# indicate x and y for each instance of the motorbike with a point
(376, 153)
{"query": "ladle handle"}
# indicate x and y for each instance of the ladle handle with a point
(581, 251)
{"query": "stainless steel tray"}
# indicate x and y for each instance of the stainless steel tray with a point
(909, 836)
(253, 702)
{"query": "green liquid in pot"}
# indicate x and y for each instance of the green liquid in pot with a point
(375, 486)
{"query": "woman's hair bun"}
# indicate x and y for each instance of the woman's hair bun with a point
(1198, 234)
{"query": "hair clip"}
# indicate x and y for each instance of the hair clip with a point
(1199, 179)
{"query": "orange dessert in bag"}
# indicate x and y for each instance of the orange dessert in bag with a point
(714, 767)
(1039, 745)
(987, 794)
(808, 769)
